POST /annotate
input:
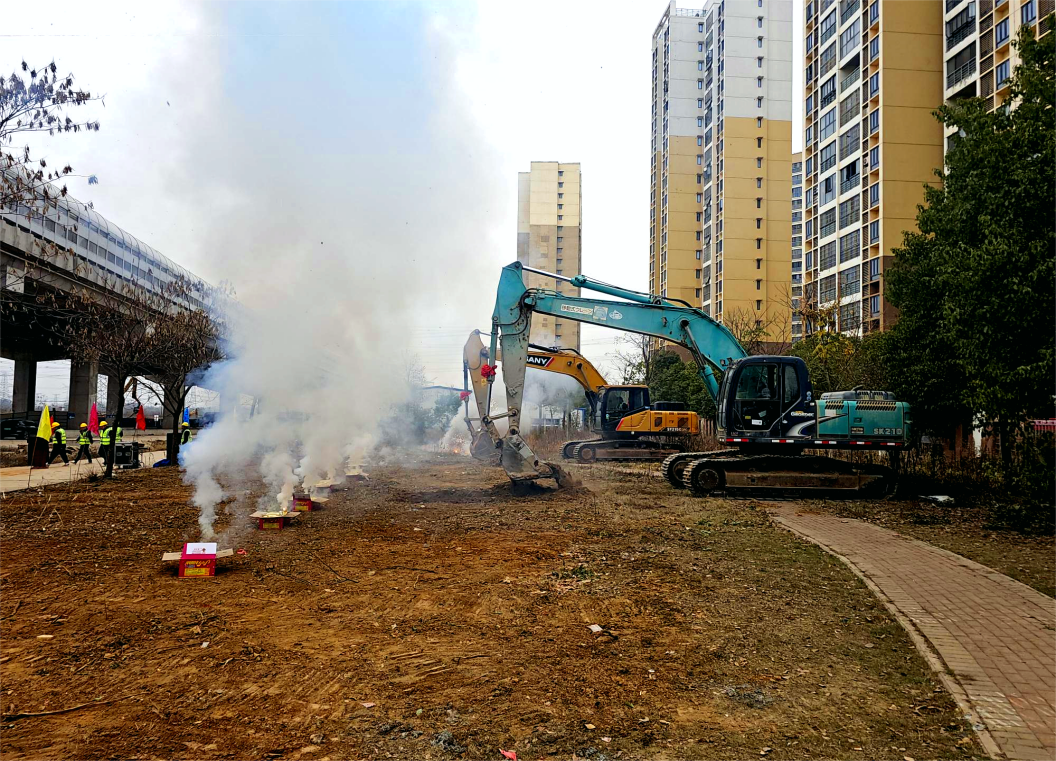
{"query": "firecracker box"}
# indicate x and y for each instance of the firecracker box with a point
(302, 503)
(198, 559)
(273, 521)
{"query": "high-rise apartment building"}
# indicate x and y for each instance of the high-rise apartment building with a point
(873, 77)
(720, 196)
(797, 246)
(979, 57)
(550, 237)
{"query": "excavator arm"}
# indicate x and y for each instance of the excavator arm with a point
(566, 362)
(712, 345)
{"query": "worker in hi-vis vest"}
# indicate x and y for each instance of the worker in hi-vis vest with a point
(185, 433)
(84, 444)
(106, 438)
(58, 449)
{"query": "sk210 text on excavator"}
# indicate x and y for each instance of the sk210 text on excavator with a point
(628, 425)
(768, 418)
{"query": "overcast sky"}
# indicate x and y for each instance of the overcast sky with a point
(237, 135)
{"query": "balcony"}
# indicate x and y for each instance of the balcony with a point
(960, 74)
(850, 79)
(851, 183)
(951, 4)
(960, 35)
(848, 9)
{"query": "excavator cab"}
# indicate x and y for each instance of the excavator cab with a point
(766, 397)
(617, 402)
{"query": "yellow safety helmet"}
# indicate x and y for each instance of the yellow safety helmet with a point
(103, 424)
(84, 425)
(185, 425)
(54, 425)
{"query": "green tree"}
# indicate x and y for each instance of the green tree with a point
(975, 285)
(838, 362)
(672, 380)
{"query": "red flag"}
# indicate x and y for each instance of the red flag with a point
(141, 419)
(93, 420)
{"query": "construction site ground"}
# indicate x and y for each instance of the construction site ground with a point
(435, 612)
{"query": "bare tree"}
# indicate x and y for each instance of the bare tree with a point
(632, 357)
(187, 341)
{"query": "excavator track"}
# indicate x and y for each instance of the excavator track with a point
(604, 450)
(780, 474)
(674, 466)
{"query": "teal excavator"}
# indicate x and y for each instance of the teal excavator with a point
(768, 420)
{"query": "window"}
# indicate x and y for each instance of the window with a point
(874, 194)
(758, 223)
(828, 91)
(700, 103)
(1027, 13)
(758, 163)
(850, 246)
(700, 140)
(700, 121)
(828, 193)
(874, 122)
(874, 84)
(828, 124)
(559, 250)
(1001, 73)
(759, 121)
(828, 60)
(758, 285)
(759, 102)
(874, 232)
(758, 203)
(700, 159)
(700, 28)
(850, 281)
(560, 184)
(700, 84)
(700, 66)
(700, 47)
(849, 142)
(560, 206)
(874, 305)
(699, 252)
(759, 62)
(850, 211)
(560, 172)
(700, 216)
(828, 27)
(797, 192)
(758, 142)
(809, 104)
(560, 217)
(1001, 32)
(560, 195)
(698, 235)
(849, 38)
(828, 289)
(874, 157)
(827, 222)
(759, 41)
(874, 269)
(874, 48)
(828, 157)
(758, 182)
(700, 197)
(759, 22)
(850, 318)
(758, 81)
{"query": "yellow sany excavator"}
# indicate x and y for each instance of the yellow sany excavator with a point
(628, 426)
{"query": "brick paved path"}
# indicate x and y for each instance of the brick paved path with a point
(991, 639)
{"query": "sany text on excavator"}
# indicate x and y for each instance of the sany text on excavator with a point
(628, 425)
(767, 414)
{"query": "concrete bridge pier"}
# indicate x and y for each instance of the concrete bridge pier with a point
(115, 396)
(84, 385)
(24, 393)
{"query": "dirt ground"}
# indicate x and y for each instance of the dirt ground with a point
(966, 530)
(434, 613)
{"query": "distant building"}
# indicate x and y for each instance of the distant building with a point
(549, 237)
(720, 218)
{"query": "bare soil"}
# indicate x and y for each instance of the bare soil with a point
(436, 612)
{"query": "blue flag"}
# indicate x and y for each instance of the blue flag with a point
(186, 415)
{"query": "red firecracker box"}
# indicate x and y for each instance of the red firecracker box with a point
(302, 503)
(273, 521)
(198, 559)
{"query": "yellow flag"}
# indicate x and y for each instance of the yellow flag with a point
(44, 429)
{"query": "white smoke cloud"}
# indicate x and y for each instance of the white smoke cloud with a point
(334, 261)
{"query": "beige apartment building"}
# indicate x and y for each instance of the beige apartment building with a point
(720, 193)
(873, 78)
(550, 238)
